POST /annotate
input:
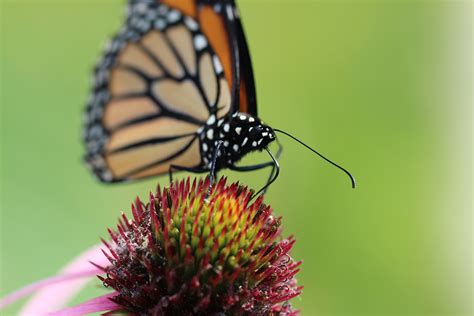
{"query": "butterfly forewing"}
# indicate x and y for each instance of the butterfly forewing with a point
(220, 22)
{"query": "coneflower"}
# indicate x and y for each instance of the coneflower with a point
(185, 253)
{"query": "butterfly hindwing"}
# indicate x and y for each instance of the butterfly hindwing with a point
(156, 85)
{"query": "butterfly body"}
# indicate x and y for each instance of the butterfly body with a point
(240, 134)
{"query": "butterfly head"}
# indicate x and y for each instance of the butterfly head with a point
(261, 135)
(250, 133)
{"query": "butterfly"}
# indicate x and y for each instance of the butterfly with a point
(174, 90)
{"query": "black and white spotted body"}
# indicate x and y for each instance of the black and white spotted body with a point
(240, 134)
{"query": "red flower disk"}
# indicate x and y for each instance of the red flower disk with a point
(185, 254)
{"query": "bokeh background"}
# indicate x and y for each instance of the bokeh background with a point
(382, 87)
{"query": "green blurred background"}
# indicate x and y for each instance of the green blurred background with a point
(382, 87)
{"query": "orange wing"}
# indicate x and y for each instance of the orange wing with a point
(215, 21)
(187, 7)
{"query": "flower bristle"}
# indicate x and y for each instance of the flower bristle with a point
(184, 254)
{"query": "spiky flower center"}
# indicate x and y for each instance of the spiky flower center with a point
(183, 254)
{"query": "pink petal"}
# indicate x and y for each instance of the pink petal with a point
(54, 297)
(98, 304)
(57, 290)
(11, 298)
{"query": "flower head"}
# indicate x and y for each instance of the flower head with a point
(182, 254)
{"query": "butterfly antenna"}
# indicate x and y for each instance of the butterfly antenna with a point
(314, 151)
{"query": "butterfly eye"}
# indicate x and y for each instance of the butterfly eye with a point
(255, 132)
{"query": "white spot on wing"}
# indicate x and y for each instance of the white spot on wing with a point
(162, 9)
(217, 64)
(151, 15)
(211, 120)
(238, 130)
(160, 24)
(173, 16)
(140, 7)
(191, 24)
(107, 176)
(226, 127)
(245, 141)
(230, 12)
(210, 133)
(200, 42)
(236, 147)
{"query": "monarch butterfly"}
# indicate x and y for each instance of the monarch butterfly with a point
(175, 90)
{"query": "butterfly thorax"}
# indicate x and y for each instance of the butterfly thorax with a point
(239, 134)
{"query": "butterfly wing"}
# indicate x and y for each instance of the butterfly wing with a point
(156, 85)
(220, 22)
(248, 96)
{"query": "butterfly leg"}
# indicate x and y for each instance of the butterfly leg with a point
(181, 168)
(274, 175)
(212, 172)
(252, 167)
(277, 156)
(275, 171)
